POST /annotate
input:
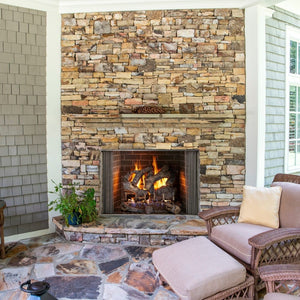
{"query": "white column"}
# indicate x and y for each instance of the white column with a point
(54, 162)
(255, 93)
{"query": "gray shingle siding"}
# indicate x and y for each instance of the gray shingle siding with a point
(23, 170)
(275, 90)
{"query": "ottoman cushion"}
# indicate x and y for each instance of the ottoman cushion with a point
(196, 268)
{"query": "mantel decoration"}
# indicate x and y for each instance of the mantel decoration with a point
(149, 109)
(75, 206)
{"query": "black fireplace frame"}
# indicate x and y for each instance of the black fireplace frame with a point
(191, 171)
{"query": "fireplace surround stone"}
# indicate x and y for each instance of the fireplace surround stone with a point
(191, 63)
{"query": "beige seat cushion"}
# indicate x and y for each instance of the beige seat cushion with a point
(234, 238)
(196, 268)
(280, 296)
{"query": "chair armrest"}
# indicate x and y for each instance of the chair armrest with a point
(267, 238)
(280, 272)
(219, 216)
(219, 211)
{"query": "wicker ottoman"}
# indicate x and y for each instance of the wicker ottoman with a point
(197, 269)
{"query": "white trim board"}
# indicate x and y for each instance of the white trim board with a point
(255, 93)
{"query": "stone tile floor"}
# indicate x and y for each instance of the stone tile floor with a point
(81, 270)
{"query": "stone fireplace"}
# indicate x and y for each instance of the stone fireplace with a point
(149, 181)
(170, 80)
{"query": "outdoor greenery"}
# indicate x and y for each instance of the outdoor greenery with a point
(74, 205)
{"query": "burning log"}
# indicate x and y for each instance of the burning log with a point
(129, 187)
(150, 190)
(163, 173)
(165, 192)
(139, 174)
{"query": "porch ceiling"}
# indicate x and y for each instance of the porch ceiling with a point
(112, 5)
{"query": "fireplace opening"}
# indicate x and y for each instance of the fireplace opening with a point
(151, 182)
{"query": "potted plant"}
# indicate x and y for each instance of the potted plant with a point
(74, 207)
(88, 206)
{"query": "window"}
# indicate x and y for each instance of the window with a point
(293, 102)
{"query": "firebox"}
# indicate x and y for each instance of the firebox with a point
(151, 182)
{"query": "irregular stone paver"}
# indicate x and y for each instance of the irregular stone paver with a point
(110, 266)
(163, 294)
(45, 259)
(142, 277)
(22, 259)
(78, 267)
(17, 295)
(12, 249)
(121, 292)
(11, 278)
(56, 249)
(44, 239)
(42, 270)
(79, 287)
(102, 253)
(115, 277)
(139, 253)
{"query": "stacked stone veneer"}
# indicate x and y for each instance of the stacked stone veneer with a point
(189, 62)
(23, 167)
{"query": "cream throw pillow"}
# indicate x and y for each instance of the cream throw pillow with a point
(260, 206)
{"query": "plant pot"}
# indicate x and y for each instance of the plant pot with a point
(74, 219)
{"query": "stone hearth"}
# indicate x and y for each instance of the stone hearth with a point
(151, 230)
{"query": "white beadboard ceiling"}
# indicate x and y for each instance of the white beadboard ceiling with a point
(70, 6)
(66, 6)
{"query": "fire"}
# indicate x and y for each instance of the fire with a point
(159, 183)
(141, 183)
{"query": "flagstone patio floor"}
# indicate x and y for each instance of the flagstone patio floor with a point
(81, 270)
(92, 269)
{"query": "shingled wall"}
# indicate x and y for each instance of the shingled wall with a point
(188, 63)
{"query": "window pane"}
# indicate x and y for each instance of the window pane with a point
(298, 98)
(298, 126)
(292, 154)
(292, 126)
(293, 96)
(293, 57)
(298, 60)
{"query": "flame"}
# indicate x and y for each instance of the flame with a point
(141, 183)
(159, 183)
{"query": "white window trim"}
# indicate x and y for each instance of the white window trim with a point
(291, 34)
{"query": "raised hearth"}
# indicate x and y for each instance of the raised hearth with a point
(151, 230)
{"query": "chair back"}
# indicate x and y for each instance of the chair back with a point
(289, 211)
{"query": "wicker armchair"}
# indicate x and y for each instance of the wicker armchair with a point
(282, 281)
(260, 246)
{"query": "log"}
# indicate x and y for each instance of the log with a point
(163, 173)
(165, 192)
(139, 174)
(128, 187)
(126, 207)
(173, 208)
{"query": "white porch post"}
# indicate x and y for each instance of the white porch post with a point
(255, 93)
